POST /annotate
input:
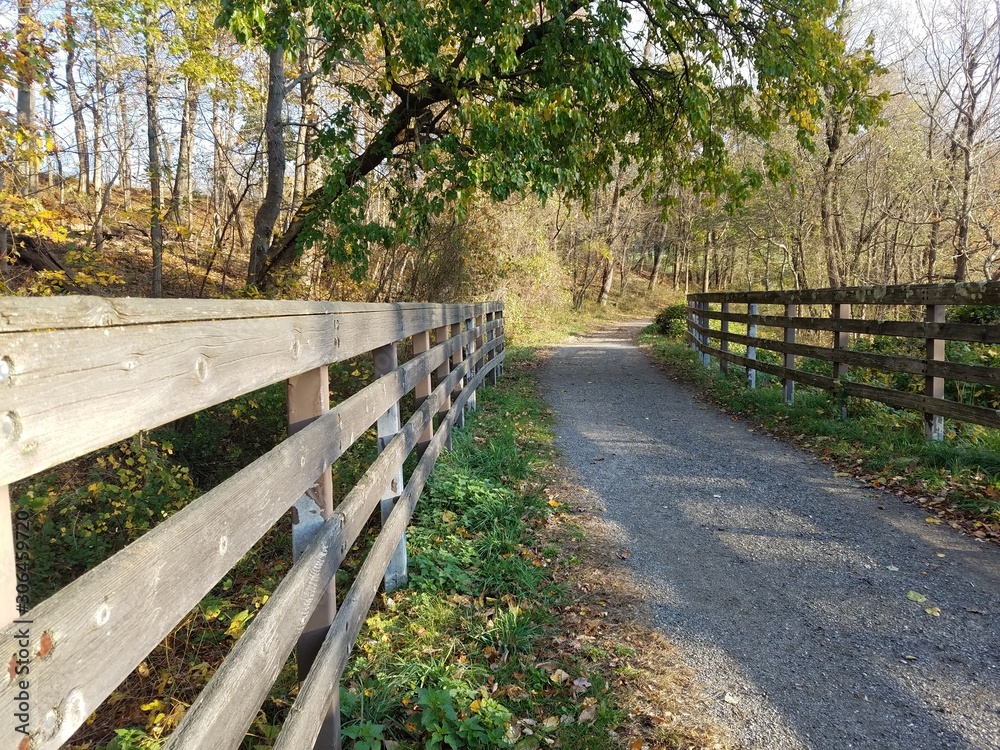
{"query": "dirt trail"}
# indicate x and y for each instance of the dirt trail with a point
(783, 586)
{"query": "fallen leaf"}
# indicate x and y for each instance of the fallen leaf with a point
(933, 520)
(559, 676)
(554, 503)
(892, 568)
(636, 744)
(587, 715)
(44, 645)
(915, 596)
(551, 723)
(625, 554)
(731, 699)
(933, 611)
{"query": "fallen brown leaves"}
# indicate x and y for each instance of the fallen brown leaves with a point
(609, 619)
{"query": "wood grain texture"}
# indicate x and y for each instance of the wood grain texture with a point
(305, 717)
(73, 390)
(221, 715)
(20, 314)
(8, 566)
(107, 621)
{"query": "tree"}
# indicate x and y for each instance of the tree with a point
(530, 97)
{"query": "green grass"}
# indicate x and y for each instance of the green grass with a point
(462, 657)
(960, 475)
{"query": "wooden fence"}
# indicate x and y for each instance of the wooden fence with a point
(80, 373)
(923, 317)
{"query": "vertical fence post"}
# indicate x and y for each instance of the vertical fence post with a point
(421, 344)
(789, 383)
(308, 397)
(751, 350)
(456, 360)
(386, 360)
(841, 339)
(480, 339)
(501, 331)
(692, 334)
(440, 336)
(491, 337)
(470, 325)
(933, 386)
(10, 608)
(723, 340)
(706, 358)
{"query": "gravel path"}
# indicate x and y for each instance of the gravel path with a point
(783, 586)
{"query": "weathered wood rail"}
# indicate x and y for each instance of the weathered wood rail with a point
(927, 304)
(78, 374)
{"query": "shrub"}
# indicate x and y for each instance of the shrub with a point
(672, 321)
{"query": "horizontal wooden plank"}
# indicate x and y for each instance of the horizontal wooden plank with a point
(20, 314)
(969, 293)
(104, 623)
(872, 360)
(985, 334)
(897, 399)
(918, 402)
(306, 715)
(806, 378)
(72, 391)
(227, 706)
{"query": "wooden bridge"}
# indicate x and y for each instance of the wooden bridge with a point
(80, 373)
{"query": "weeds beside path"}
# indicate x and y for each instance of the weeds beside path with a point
(820, 613)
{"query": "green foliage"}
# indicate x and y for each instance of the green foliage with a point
(130, 488)
(538, 98)
(672, 320)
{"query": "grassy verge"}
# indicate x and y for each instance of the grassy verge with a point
(504, 636)
(957, 480)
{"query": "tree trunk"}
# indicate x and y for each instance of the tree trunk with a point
(27, 171)
(153, 139)
(76, 106)
(124, 145)
(180, 198)
(97, 113)
(657, 257)
(267, 214)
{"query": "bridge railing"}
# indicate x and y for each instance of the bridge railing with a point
(80, 373)
(856, 311)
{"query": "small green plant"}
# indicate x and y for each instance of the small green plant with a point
(672, 320)
(366, 735)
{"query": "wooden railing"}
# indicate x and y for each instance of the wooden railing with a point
(921, 312)
(80, 373)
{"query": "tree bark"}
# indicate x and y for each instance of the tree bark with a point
(267, 214)
(180, 198)
(76, 106)
(153, 139)
(27, 172)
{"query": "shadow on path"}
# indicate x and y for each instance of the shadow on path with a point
(784, 586)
